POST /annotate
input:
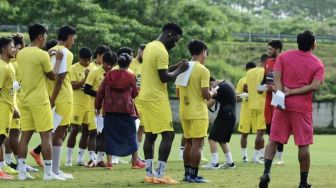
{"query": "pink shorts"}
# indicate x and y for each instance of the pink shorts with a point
(285, 123)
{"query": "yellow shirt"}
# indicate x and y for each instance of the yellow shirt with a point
(94, 64)
(65, 93)
(155, 57)
(16, 93)
(77, 74)
(136, 67)
(7, 77)
(192, 103)
(94, 79)
(33, 63)
(117, 68)
(253, 80)
(240, 89)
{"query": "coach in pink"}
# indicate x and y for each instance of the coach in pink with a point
(298, 73)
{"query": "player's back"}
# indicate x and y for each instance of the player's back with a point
(253, 80)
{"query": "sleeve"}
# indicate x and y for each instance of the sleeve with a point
(162, 60)
(46, 63)
(134, 88)
(73, 76)
(205, 78)
(278, 64)
(88, 90)
(100, 95)
(319, 74)
(69, 60)
(91, 78)
(3, 76)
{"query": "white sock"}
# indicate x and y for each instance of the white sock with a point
(92, 156)
(100, 156)
(279, 155)
(181, 152)
(255, 154)
(228, 158)
(8, 158)
(22, 165)
(149, 167)
(161, 168)
(80, 155)
(214, 158)
(244, 152)
(262, 152)
(47, 167)
(69, 154)
(56, 158)
(2, 164)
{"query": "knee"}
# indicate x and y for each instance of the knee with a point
(168, 136)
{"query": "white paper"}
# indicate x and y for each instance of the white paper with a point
(16, 85)
(56, 118)
(137, 124)
(183, 78)
(262, 87)
(63, 65)
(243, 95)
(216, 88)
(278, 99)
(100, 123)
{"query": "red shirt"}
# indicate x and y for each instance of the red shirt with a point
(299, 69)
(117, 92)
(269, 74)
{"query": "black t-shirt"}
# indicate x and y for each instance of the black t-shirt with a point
(226, 97)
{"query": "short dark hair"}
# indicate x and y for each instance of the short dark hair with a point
(196, 47)
(305, 40)
(124, 60)
(171, 26)
(101, 49)
(85, 53)
(50, 44)
(142, 46)
(4, 42)
(212, 79)
(18, 40)
(126, 50)
(277, 44)
(65, 31)
(250, 65)
(110, 57)
(35, 30)
(264, 57)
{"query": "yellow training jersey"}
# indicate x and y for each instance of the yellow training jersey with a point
(117, 68)
(192, 103)
(155, 57)
(77, 74)
(94, 79)
(33, 64)
(7, 78)
(65, 93)
(253, 80)
(136, 67)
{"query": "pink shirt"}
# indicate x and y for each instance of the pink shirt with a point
(298, 69)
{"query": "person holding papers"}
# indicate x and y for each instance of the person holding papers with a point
(61, 95)
(34, 69)
(256, 103)
(298, 73)
(116, 95)
(193, 110)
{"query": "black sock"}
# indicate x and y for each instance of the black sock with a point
(268, 165)
(304, 177)
(37, 150)
(186, 170)
(193, 172)
(280, 147)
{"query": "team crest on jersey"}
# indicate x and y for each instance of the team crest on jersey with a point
(76, 118)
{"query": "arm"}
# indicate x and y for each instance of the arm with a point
(100, 96)
(304, 89)
(79, 84)
(277, 81)
(134, 88)
(89, 91)
(52, 75)
(59, 82)
(211, 102)
(171, 73)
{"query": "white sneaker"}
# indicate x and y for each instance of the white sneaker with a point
(68, 163)
(65, 175)
(31, 169)
(257, 161)
(115, 160)
(52, 176)
(25, 176)
(280, 162)
(227, 166)
(211, 166)
(245, 160)
(122, 161)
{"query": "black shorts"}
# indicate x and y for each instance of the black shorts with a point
(223, 126)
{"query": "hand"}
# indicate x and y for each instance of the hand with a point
(51, 52)
(16, 114)
(59, 55)
(270, 87)
(97, 112)
(183, 66)
(86, 72)
(287, 91)
(52, 103)
(213, 92)
(280, 108)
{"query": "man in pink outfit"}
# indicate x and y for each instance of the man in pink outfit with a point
(298, 73)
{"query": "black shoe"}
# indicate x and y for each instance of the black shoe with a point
(305, 185)
(186, 178)
(264, 180)
(13, 166)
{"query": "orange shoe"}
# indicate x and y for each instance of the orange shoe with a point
(109, 166)
(4, 176)
(165, 180)
(148, 179)
(37, 158)
(138, 165)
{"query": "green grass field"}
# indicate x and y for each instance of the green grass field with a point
(246, 175)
